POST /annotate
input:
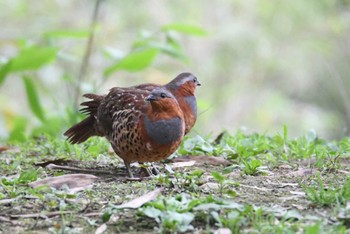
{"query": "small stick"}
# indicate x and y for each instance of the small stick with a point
(68, 168)
(41, 215)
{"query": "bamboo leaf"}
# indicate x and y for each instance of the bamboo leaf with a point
(33, 99)
(33, 58)
(133, 62)
(4, 70)
(185, 28)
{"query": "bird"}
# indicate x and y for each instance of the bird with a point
(100, 110)
(183, 87)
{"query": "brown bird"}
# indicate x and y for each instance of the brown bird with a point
(141, 126)
(101, 109)
(182, 87)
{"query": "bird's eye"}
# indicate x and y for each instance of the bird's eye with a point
(163, 95)
(195, 80)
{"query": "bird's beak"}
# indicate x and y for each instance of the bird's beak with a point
(150, 98)
(198, 83)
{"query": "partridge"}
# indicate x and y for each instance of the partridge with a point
(142, 126)
(182, 87)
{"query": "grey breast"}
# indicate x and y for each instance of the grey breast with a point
(191, 101)
(164, 132)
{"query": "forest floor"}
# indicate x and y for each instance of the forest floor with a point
(233, 184)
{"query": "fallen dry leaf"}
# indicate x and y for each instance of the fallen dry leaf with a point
(139, 201)
(9, 149)
(223, 231)
(183, 164)
(101, 229)
(4, 148)
(210, 186)
(200, 160)
(75, 182)
(7, 201)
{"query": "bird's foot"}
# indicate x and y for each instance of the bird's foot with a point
(149, 170)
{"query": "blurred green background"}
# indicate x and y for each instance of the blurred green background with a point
(262, 64)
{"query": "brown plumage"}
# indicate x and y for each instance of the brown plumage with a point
(182, 87)
(141, 126)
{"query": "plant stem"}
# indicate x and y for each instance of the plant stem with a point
(87, 54)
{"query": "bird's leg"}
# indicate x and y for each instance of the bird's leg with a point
(150, 170)
(155, 170)
(131, 175)
(128, 169)
(146, 169)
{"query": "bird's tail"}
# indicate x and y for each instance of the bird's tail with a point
(81, 131)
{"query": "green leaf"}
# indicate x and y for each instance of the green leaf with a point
(255, 163)
(68, 34)
(106, 216)
(185, 28)
(133, 62)
(4, 70)
(218, 176)
(33, 99)
(285, 133)
(231, 193)
(28, 176)
(313, 229)
(33, 58)
(18, 130)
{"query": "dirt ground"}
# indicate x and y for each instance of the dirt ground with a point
(277, 189)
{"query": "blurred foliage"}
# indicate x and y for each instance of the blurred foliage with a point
(263, 64)
(34, 58)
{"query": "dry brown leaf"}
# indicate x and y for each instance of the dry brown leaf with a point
(183, 164)
(10, 149)
(139, 201)
(75, 182)
(200, 160)
(101, 229)
(4, 148)
(6, 201)
(223, 231)
(210, 186)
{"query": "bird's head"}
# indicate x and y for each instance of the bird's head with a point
(162, 100)
(185, 84)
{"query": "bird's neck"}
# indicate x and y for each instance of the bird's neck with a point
(156, 112)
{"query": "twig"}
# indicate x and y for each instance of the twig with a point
(86, 58)
(93, 214)
(41, 215)
(67, 168)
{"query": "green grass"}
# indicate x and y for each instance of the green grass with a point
(254, 193)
